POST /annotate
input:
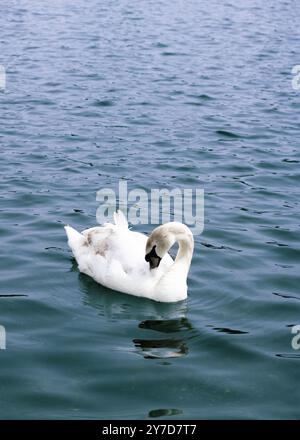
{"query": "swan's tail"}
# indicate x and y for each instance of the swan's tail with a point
(120, 219)
(75, 240)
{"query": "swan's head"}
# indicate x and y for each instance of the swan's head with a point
(163, 238)
(158, 245)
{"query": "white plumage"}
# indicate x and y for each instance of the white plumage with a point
(114, 256)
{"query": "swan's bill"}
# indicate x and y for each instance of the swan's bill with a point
(152, 258)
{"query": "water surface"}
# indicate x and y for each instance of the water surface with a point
(162, 94)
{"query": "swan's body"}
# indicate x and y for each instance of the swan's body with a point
(114, 256)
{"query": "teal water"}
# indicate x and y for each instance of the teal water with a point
(162, 94)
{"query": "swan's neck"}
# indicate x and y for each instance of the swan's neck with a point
(184, 255)
(174, 282)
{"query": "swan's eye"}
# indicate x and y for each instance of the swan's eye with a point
(152, 258)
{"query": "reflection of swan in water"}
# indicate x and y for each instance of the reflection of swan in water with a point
(165, 412)
(163, 318)
(161, 348)
(166, 347)
(166, 326)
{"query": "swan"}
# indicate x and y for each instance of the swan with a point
(133, 263)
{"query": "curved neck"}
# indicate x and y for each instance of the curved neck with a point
(172, 285)
(183, 236)
(185, 252)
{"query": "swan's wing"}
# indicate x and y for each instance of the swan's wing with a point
(102, 240)
(93, 251)
(114, 243)
(97, 239)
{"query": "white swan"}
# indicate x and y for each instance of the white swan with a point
(132, 263)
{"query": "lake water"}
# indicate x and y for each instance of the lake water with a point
(162, 94)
